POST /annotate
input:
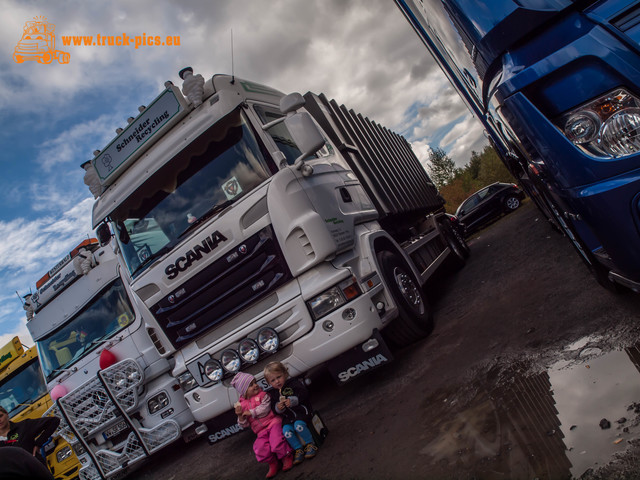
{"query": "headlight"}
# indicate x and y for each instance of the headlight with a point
(608, 126)
(268, 340)
(326, 302)
(621, 133)
(63, 454)
(213, 370)
(333, 298)
(187, 382)
(249, 351)
(230, 361)
(157, 402)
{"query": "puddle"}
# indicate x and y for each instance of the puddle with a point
(546, 425)
(603, 387)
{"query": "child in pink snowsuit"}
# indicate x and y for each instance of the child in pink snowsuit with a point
(254, 409)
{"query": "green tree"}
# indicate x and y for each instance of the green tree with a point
(483, 169)
(492, 169)
(442, 169)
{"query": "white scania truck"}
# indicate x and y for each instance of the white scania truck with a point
(114, 393)
(258, 226)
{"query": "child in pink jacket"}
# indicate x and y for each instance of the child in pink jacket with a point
(254, 409)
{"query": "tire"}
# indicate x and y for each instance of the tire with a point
(415, 320)
(511, 203)
(46, 58)
(63, 57)
(459, 251)
(456, 242)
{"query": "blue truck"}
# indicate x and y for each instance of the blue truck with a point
(556, 85)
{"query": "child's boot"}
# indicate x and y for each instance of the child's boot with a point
(287, 462)
(310, 450)
(298, 456)
(274, 466)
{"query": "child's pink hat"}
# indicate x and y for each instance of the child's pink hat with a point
(241, 382)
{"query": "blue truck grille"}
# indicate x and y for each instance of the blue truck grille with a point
(244, 275)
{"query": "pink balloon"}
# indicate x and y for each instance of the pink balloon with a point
(58, 392)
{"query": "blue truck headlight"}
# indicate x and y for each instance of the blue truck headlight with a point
(608, 126)
(63, 454)
(157, 402)
(583, 127)
(621, 133)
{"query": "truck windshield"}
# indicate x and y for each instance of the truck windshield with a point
(214, 171)
(22, 388)
(109, 312)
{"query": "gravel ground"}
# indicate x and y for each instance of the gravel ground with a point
(483, 397)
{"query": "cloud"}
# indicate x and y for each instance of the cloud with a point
(30, 247)
(18, 329)
(76, 143)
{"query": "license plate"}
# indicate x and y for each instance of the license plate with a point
(116, 429)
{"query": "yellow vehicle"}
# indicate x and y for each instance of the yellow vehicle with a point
(23, 393)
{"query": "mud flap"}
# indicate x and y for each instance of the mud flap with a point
(353, 363)
(223, 426)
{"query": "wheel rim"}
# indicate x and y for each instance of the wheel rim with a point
(408, 288)
(513, 203)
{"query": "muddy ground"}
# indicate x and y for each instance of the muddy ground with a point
(528, 355)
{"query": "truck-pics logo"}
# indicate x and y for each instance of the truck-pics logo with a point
(38, 43)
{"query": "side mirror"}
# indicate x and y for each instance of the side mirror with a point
(291, 103)
(103, 233)
(306, 135)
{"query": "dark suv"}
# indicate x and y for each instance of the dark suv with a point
(488, 204)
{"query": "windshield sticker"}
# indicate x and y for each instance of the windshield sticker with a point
(231, 188)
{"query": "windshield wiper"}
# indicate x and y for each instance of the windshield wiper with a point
(208, 214)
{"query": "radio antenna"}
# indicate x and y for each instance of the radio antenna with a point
(233, 78)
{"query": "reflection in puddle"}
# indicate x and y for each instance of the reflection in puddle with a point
(546, 425)
(600, 388)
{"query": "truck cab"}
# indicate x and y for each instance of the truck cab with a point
(113, 391)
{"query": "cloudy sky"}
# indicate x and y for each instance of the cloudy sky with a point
(363, 53)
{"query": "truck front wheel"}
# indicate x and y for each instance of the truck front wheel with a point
(414, 320)
(46, 58)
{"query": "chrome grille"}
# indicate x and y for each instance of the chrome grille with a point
(91, 411)
(89, 407)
